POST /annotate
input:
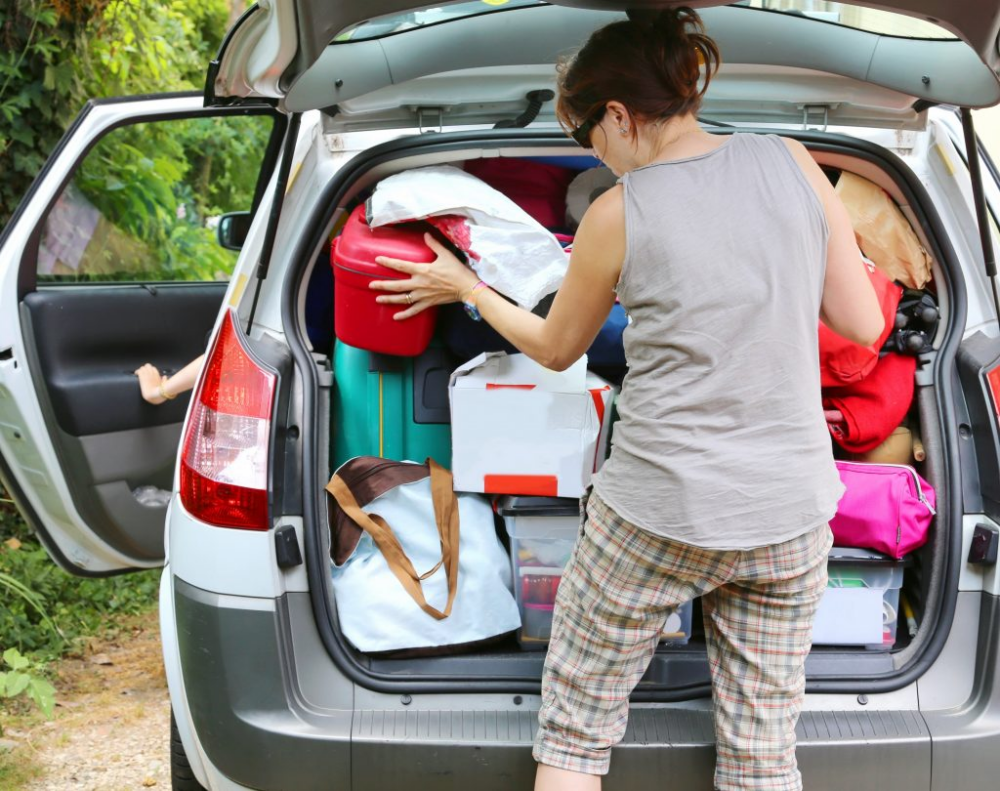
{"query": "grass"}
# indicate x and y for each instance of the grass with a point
(72, 608)
(17, 770)
(95, 702)
(73, 614)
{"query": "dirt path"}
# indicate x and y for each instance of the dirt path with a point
(111, 728)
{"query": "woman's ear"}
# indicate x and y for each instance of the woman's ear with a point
(619, 115)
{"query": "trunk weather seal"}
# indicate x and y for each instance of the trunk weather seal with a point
(317, 566)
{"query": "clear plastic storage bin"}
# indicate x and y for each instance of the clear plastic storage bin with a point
(543, 531)
(861, 603)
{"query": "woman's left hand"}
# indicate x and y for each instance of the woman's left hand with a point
(150, 379)
(437, 283)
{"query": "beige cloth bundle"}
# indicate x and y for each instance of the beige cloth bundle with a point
(883, 233)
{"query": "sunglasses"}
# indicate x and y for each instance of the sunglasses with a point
(582, 133)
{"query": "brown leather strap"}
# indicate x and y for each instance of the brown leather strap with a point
(446, 517)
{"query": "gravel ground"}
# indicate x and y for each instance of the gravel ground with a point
(111, 730)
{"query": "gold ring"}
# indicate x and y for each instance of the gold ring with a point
(409, 299)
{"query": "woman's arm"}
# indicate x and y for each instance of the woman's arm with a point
(580, 308)
(151, 380)
(850, 307)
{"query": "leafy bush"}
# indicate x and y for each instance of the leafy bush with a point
(77, 606)
(55, 55)
(23, 679)
(61, 608)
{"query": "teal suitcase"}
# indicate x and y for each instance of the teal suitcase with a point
(393, 407)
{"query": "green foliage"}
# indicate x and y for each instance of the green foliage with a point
(14, 587)
(77, 606)
(23, 679)
(59, 609)
(57, 54)
(154, 186)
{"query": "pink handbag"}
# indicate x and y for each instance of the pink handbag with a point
(887, 507)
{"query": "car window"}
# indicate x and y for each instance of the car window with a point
(886, 23)
(422, 17)
(873, 20)
(144, 202)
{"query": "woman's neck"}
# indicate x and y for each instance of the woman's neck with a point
(676, 139)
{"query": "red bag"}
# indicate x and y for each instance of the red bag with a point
(843, 362)
(537, 187)
(872, 409)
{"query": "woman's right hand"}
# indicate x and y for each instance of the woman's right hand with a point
(149, 383)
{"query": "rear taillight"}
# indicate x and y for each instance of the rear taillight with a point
(224, 463)
(993, 381)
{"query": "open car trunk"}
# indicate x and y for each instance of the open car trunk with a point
(677, 672)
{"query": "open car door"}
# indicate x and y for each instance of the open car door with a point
(111, 261)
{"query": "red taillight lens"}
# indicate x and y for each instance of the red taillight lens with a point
(993, 380)
(224, 462)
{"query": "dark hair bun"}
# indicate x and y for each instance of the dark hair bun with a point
(651, 63)
(671, 22)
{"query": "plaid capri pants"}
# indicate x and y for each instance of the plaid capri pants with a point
(616, 593)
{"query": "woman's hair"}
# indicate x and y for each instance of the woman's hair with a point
(651, 66)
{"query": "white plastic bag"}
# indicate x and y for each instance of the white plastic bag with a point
(506, 247)
(376, 612)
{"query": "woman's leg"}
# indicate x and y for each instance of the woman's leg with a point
(759, 632)
(549, 778)
(616, 593)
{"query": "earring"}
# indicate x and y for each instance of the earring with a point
(623, 130)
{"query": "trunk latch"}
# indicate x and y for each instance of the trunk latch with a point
(809, 110)
(425, 116)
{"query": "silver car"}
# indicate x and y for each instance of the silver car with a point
(326, 98)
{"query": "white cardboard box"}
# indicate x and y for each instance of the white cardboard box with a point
(519, 428)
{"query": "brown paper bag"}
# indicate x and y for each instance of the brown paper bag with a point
(883, 233)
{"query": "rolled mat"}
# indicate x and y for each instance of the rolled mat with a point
(873, 407)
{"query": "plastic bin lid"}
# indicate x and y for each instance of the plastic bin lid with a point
(853, 555)
(517, 505)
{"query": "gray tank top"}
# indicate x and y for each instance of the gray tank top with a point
(721, 440)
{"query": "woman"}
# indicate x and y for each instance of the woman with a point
(721, 482)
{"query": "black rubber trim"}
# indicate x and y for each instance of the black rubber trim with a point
(33, 521)
(943, 365)
(113, 100)
(27, 280)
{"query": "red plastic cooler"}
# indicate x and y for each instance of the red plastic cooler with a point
(358, 319)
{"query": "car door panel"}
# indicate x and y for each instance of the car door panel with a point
(84, 344)
(88, 342)
(76, 438)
